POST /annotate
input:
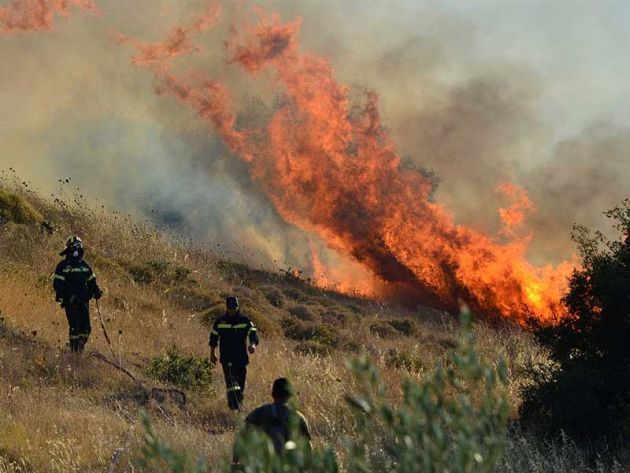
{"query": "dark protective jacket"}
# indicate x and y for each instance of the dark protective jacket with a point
(279, 420)
(231, 333)
(74, 281)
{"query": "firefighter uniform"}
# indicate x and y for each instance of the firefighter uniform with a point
(75, 284)
(275, 420)
(231, 333)
(279, 420)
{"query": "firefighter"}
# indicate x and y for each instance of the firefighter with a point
(75, 284)
(281, 422)
(235, 335)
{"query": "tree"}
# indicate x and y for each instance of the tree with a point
(588, 393)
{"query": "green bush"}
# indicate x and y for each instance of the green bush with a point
(180, 370)
(588, 395)
(405, 326)
(263, 321)
(403, 360)
(453, 421)
(14, 208)
(383, 330)
(307, 331)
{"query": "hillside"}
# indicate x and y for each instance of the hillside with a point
(63, 413)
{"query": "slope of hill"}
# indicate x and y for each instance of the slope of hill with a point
(63, 413)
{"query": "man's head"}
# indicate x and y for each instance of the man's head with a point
(231, 305)
(74, 247)
(281, 390)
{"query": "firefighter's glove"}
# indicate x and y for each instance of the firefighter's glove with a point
(251, 348)
(60, 301)
(97, 294)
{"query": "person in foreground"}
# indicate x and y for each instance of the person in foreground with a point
(279, 420)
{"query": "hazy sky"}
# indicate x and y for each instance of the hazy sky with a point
(579, 48)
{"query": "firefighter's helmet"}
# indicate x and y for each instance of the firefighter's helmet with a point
(231, 302)
(74, 243)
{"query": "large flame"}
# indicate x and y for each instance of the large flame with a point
(37, 15)
(328, 167)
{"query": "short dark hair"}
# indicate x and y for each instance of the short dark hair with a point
(282, 389)
(231, 302)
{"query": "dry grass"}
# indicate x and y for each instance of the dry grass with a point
(61, 413)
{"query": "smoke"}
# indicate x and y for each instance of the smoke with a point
(586, 175)
(36, 15)
(79, 110)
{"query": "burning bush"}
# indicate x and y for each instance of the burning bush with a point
(588, 395)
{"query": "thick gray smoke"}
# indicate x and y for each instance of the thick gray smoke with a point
(474, 112)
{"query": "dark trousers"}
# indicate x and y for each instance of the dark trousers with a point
(78, 315)
(235, 374)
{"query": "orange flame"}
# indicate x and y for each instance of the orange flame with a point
(37, 15)
(341, 277)
(513, 217)
(177, 43)
(333, 171)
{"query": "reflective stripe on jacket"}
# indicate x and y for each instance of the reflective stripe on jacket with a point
(232, 334)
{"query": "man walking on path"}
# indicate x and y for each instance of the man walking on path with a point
(235, 335)
(75, 284)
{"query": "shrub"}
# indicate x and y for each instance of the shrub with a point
(140, 273)
(14, 208)
(293, 293)
(302, 312)
(335, 316)
(405, 326)
(403, 360)
(305, 331)
(155, 271)
(275, 297)
(191, 298)
(455, 420)
(263, 322)
(180, 370)
(383, 330)
(588, 395)
(311, 347)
